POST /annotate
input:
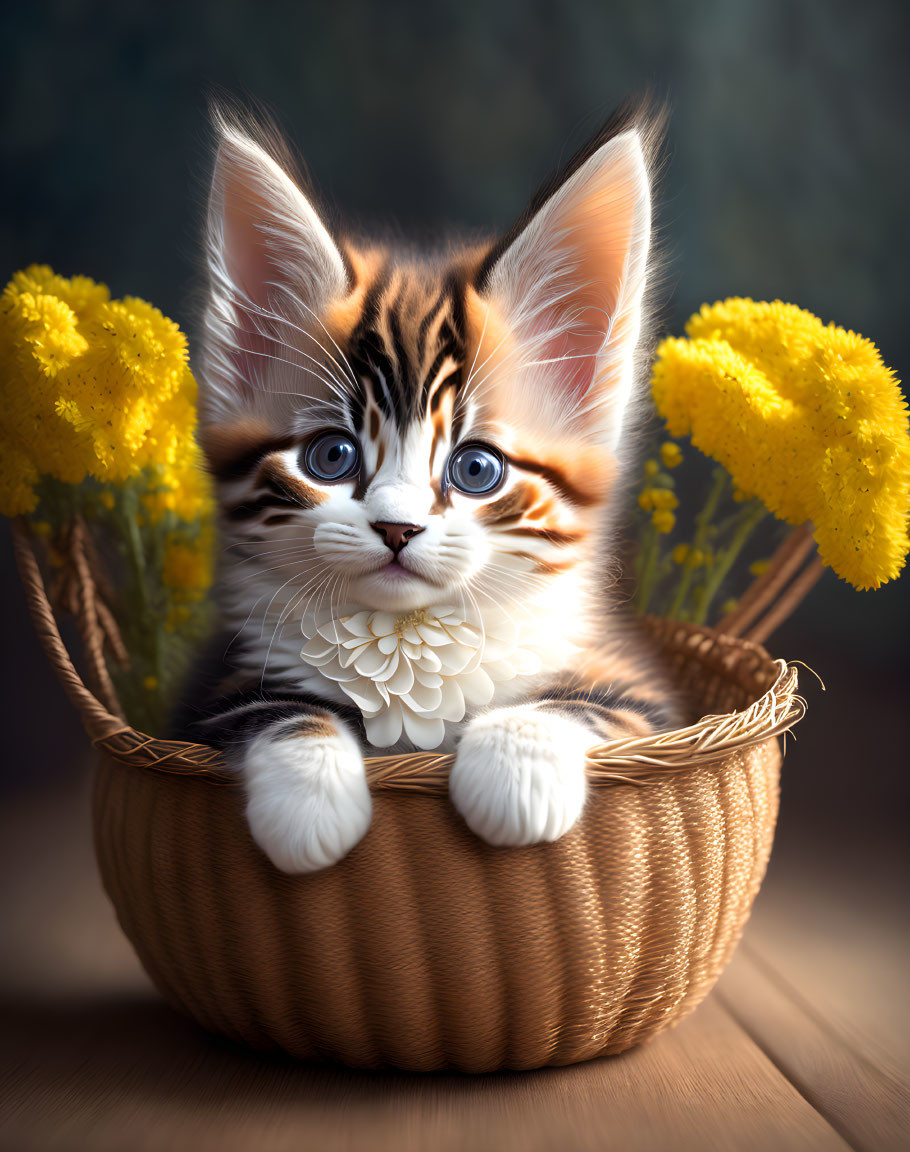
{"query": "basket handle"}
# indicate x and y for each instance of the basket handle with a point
(100, 722)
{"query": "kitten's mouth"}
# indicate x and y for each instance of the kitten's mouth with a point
(396, 571)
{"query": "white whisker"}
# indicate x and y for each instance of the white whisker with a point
(252, 307)
(330, 382)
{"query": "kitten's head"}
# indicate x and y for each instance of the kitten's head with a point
(398, 432)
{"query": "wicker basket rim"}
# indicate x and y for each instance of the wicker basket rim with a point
(628, 760)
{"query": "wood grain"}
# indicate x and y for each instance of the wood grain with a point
(92, 1061)
(106, 1074)
(864, 1101)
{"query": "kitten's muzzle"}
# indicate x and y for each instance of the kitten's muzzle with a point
(396, 536)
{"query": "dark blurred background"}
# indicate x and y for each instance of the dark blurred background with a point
(787, 176)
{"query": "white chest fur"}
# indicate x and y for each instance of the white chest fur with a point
(417, 676)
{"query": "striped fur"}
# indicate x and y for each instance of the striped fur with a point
(527, 346)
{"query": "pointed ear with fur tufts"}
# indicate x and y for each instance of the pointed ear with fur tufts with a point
(570, 280)
(272, 265)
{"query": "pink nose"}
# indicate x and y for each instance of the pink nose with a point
(396, 536)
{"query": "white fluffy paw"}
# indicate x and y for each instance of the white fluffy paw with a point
(307, 798)
(519, 775)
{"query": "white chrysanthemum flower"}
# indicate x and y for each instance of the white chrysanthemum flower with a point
(413, 672)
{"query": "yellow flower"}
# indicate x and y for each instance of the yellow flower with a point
(805, 416)
(691, 557)
(177, 616)
(651, 498)
(48, 327)
(663, 520)
(91, 386)
(18, 476)
(664, 498)
(698, 558)
(759, 567)
(651, 469)
(150, 683)
(729, 606)
(187, 568)
(670, 454)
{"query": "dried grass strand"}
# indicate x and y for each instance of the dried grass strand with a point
(88, 618)
(765, 591)
(97, 719)
(787, 602)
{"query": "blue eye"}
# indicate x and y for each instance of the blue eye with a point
(475, 469)
(331, 456)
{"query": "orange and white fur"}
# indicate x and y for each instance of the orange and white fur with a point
(401, 435)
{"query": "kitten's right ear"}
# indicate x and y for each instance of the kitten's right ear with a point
(270, 259)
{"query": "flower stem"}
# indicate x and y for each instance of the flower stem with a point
(753, 514)
(699, 542)
(128, 507)
(648, 570)
(143, 614)
(682, 591)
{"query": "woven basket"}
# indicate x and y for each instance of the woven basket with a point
(425, 948)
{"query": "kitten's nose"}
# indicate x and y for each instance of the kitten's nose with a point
(396, 536)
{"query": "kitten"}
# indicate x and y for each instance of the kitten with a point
(417, 464)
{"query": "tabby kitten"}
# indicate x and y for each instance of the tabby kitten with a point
(416, 462)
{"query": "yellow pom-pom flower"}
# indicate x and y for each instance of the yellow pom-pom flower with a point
(187, 568)
(91, 386)
(686, 554)
(650, 499)
(663, 520)
(664, 498)
(803, 415)
(670, 454)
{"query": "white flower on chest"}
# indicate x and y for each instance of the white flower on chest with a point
(415, 671)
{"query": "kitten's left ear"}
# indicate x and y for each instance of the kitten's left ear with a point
(570, 285)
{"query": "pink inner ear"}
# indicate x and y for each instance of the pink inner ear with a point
(272, 262)
(573, 353)
(253, 270)
(601, 225)
(573, 279)
(247, 256)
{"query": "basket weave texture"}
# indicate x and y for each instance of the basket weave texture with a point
(426, 948)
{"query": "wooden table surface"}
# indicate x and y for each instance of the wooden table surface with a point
(803, 1045)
